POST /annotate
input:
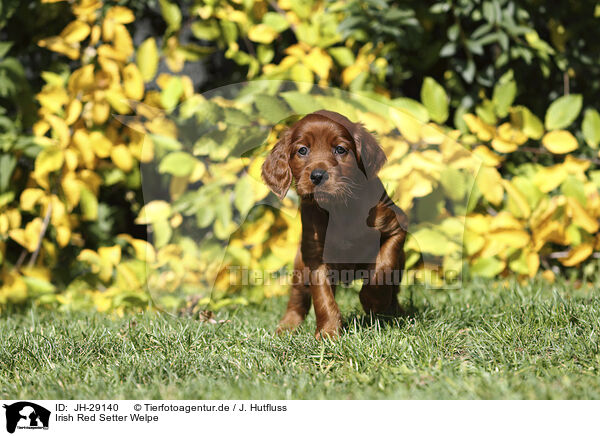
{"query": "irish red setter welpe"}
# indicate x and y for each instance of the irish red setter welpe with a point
(351, 229)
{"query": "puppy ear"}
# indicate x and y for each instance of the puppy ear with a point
(276, 170)
(370, 153)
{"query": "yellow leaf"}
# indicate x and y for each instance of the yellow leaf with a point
(110, 255)
(144, 251)
(407, 124)
(581, 217)
(575, 166)
(484, 131)
(154, 211)
(118, 101)
(122, 42)
(262, 33)
(549, 276)
(100, 111)
(63, 235)
(121, 156)
(82, 80)
(548, 231)
(197, 173)
(91, 257)
(502, 146)
(510, 238)
(522, 206)
(14, 288)
(133, 82)
(95, 35)
(71, 159)
(53, 98)
(318, 61)
(433, 134)
(75, 31)
(351, 72)
(560, 142)
(73, 111)
(577, 255)
(548, 178)
(30, 197)
(488, 157)
(147, 59)
(533, 263)
(505, 220)
(60, 129)
(48, 160)
(120, 14)
(100, 144)
(489, 183)
(509, 133)
(81, 141)
(28, 237)
(57, 44)
(71, 187)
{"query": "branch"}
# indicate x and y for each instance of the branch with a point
(42, 233)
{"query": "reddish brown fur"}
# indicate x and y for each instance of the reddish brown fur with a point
(349, 223)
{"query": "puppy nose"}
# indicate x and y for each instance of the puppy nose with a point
(318, 176)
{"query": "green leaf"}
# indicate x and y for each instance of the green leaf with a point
(275, 21)
(7, 166)
(178, 163)
(164, 143)
(430, 241)
(38, 286)
(6, 198)
(563, 111)
(244, 196)
(573, 187)
(591, 127)
(89, 204)
(454, 183)
(504, 95)
(207, 30)
(169, 97)
(525, 120)
(272, 108)
(303, 77)
(435, 100)
(162, 233)
(301, 103)
(342, 55)
(171, 14)
(487, 267)
(415, 108)
(147, 59)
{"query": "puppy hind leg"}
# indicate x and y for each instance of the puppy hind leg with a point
(380, 300)
(297, 309)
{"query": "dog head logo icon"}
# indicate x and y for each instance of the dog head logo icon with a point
(26, 415)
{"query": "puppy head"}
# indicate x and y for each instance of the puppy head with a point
(326, 154)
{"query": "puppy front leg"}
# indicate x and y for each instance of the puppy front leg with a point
(329, 320)
(379, 293)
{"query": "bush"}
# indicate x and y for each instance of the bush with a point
(494, 164)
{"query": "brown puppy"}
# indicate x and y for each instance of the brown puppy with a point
(351, 229)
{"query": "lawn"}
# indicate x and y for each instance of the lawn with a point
(488, 340)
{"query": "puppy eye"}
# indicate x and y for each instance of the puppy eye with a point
(303, 151)
(340, 150)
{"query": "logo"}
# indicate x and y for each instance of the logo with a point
(26, 415)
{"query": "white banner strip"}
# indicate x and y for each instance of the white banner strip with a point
(158, 417)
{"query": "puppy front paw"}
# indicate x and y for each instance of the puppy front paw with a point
(289, 323)
(329, 330)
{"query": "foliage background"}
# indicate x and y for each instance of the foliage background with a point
(495, 101)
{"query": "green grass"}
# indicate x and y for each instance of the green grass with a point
(536, 341)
